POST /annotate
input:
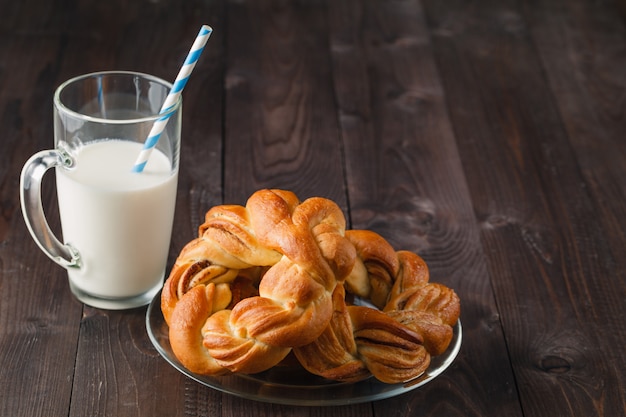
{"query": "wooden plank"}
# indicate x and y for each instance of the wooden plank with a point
(114, 364)
(538, 224)
(37, 339)
(576, 42)
(407, 183)
(281, 126)
(119, 373)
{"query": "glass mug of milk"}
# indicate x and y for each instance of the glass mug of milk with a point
(116, 223)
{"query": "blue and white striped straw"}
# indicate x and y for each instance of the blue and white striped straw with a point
(172, 97)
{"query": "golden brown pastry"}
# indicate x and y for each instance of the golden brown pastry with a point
(279, 275)
(303, 245)
(361, 341)
(394, 344)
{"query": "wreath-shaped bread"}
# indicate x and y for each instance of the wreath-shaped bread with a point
(280, 275)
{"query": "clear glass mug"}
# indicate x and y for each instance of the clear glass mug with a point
(116, 224)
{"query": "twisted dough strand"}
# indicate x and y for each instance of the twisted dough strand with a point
(303, 245)
(361, 341)
(278, 275)
(394, 345)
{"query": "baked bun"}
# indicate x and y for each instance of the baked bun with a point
(394, 344)
(280, 275)
(306, 255)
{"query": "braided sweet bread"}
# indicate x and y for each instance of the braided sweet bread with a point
(278, 275)
(303, 248)
(396, 342)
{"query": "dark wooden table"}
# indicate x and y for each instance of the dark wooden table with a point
(488, 136)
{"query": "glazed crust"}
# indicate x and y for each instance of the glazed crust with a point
(278, 275)
(306, 255)
(395, 344)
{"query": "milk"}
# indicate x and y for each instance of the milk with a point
(119, 221)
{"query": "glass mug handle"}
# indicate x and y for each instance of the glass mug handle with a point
(32, 207)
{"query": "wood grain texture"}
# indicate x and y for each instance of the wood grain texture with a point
(589, 93)
(412, 189)
(33, 380)
(550, 284)
(116, 363)
(281, 119)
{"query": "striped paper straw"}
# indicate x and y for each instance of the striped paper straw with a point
(172, 97)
